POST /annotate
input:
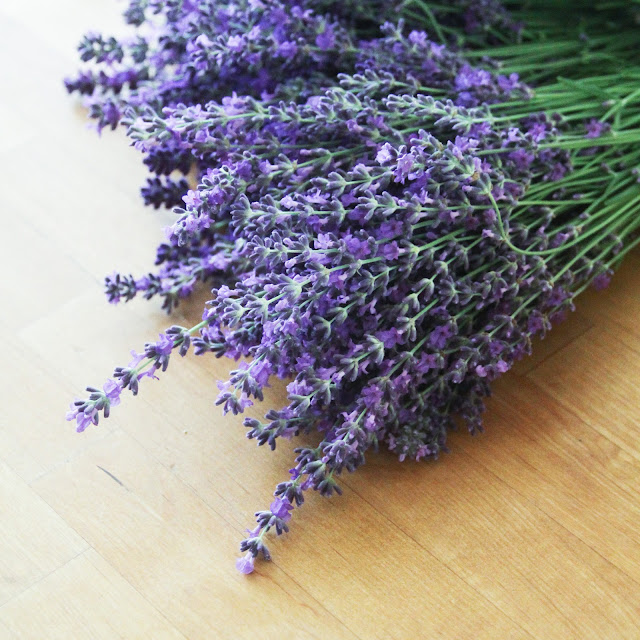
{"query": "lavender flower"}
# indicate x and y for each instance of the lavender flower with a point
(387, 224)
(86, 412)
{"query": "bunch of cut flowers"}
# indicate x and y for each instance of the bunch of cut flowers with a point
(391, 201)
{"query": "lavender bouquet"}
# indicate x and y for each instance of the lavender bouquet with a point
(392, 200)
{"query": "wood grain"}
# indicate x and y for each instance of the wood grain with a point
(130, 530)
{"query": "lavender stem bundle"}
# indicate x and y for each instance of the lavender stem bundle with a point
(386, 223)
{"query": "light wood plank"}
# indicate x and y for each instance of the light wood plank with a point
(93, 222)
(174, 549)
(566, 469)
(602, 368)
(86, 599)
(33, 438)
(500, 543)
(71, 19)
(34, 540)
(14, 129)
(27, 268)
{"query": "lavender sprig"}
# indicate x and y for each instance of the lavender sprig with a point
(388, 224)
(155, 357)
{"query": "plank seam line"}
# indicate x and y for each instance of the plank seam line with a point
(236, 525)
(445, 565)
(44, 577)
(162, 615)
(533, 506)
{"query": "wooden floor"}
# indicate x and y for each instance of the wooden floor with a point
(130, 530)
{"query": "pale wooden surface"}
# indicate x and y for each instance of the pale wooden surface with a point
(529, 531)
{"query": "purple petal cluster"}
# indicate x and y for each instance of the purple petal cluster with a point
(87, 412)
(379, 233)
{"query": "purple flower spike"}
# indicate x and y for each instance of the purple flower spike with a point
(596, 128)
(112, 390)
(83, 420)
(602, 281)
(385, 224)
(245, 564)
(281, 508)
(327, 39)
